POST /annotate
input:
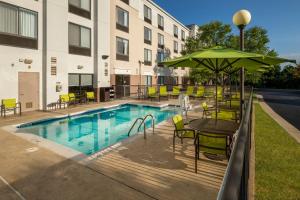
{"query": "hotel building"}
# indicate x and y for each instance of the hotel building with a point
(53, 47)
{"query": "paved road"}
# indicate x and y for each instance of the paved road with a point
(286, 103)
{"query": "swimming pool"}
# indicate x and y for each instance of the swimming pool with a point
(95, 130)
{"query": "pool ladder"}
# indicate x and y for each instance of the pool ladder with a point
(143, 122)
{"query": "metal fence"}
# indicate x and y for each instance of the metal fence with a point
(235, 182)
(140, 91)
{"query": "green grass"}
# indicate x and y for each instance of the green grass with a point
(277, 160)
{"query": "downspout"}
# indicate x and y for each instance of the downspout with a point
(44, 57)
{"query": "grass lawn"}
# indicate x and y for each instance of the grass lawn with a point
(277, 160)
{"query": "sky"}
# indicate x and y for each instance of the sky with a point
(281, 18)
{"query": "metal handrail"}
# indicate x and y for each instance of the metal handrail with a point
(143, 122)
(134, 125)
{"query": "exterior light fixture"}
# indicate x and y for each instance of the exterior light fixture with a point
(241, 19)
(79, 67)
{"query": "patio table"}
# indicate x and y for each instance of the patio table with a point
(206, 125)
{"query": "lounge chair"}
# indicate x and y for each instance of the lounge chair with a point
(211, 144)
(223, 114)
(152, 94)
(163, 92)
(176, 91)
(190, 90)
(199, 92)
(10, 105)
(208, 93)
(90, 96)
(66, 99)
(180, 131)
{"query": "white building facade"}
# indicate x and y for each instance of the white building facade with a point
(54, 47)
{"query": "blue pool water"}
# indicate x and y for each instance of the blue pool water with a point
(96, 130)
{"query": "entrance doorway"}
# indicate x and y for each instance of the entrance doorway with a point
(122, 86)
(29, 90)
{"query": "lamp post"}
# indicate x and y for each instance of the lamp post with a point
(241, 19)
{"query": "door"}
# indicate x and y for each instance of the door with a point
(29, 90)
(122, 86)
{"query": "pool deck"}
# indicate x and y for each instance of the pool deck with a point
(139, 169)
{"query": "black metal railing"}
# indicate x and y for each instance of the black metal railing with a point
(235, 182)
(140, 91)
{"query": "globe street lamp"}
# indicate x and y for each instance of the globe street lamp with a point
(241, 19)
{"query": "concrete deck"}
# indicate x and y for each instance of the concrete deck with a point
(139, 169)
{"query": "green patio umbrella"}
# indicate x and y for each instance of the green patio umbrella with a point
(219, 59)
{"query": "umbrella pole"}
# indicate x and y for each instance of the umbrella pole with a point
(216, 104)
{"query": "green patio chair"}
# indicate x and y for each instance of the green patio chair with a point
(10, 105)
(163, 92)
(211, 144)
(180, 131)
(176, 91)
(152, 93)
(90, 96)
(199, 92)
(208, 93)
(190, 90)
(223, 114)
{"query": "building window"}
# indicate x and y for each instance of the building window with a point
(80, 83)
(160, 22)
(160, 56)
(122, 49)
(148, 80)
(160, 80)
(182, 47)
(175, 47)
(182, 35)
(80, 7)
(79, 40)
(147, 57)
(126, 1)
(175, 31)
(122, 20)
(147, 35)
(161, 41)
(147, 14)
(18, 26)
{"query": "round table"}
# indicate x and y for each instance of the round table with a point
(208, 125)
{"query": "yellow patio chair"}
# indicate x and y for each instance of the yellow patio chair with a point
(190, 90)
(163, 92)
(208, 93)
(10, 105)
(90, 96)
(152, 93)
(199, 92)
(175, 91)
(66, 99)
(180, 131)
(223, 114)
(211, 144)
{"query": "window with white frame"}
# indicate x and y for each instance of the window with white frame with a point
(161, 40)
(147, 13)
(122, 46)
(83, 4)
(122, 17)
(160, 56)
(79, 36)
(147, 56)
(147, 34)
(18, 21)
(182, 35)
(175, 46)
(160, 21)
(175, 31)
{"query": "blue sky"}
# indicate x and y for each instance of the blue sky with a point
(280, 17)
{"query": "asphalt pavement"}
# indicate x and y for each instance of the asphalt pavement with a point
(286, 103)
